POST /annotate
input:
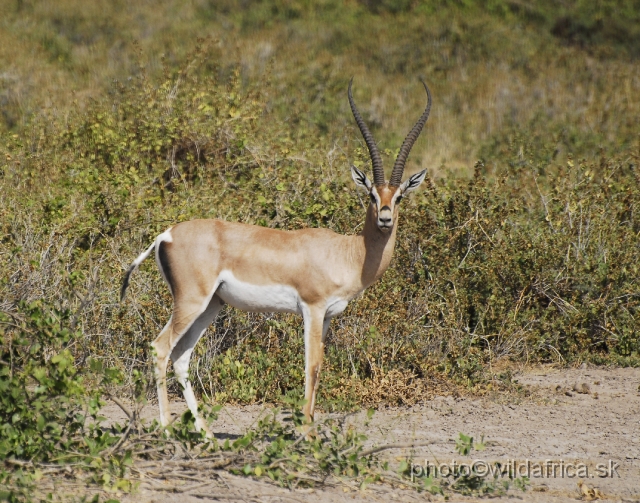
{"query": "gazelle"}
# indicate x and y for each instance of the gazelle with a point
(312, 272)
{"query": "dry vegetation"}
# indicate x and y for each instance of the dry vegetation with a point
(493, 68)
(121, 118)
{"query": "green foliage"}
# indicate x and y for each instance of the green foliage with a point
(41, 391)
(491, 64)
(47, 413)
(531, 258)
(463, 478)
(465, 444)
(285, 454)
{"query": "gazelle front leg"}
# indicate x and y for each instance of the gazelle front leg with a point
(315, 330)
(161, 348)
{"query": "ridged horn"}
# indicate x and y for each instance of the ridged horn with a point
(376, 160)
(398, 167)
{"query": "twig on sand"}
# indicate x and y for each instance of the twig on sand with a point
(122, 406)
(393, 446)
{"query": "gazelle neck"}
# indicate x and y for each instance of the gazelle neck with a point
(376, 248)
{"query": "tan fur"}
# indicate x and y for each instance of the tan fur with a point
(313, 272)
(317, 263)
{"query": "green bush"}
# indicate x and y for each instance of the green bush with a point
(530, 257)
(530, 260)
(41, 392)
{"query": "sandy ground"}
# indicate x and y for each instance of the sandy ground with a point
(573, 420)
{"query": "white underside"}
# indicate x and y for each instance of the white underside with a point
(268, 298)
(335, 305)
(257, 298)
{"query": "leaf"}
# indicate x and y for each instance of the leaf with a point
(95, 365)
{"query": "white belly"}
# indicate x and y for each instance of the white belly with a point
(335, 306)
(257, 298)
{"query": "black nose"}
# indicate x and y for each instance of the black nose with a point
(385, 207)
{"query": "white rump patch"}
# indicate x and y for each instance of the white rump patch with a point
(165, 236)
(257, 298)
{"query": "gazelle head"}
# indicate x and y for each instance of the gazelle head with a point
(386, 195)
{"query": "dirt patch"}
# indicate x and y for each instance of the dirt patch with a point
(571, 423)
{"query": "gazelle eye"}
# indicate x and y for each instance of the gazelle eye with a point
(373, 198)
(398, 199)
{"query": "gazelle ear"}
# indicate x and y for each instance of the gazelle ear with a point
(413, 182)
(360, 178)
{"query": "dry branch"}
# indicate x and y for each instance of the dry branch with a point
(393, 446)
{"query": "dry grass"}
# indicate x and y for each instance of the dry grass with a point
(73, 218)
(488, 76)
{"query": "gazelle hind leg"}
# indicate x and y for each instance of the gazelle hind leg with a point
(181, 355)
(185, 314)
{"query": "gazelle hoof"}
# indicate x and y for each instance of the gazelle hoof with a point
(201, 425)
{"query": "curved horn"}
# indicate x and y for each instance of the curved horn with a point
(398, 167)
(376, 160)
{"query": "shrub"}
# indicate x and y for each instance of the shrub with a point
(41, 392)
(532, 259)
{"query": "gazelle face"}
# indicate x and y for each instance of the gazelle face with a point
(385, 195)
(385, 198)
